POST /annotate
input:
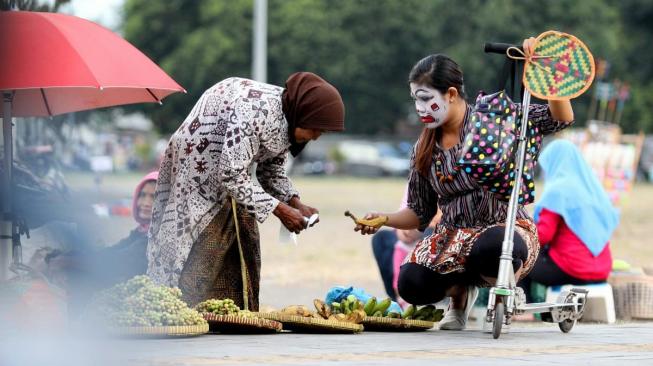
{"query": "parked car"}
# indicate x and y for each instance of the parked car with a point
(366, 158)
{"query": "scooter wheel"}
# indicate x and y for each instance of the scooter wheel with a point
(498, 320)
(566, 325)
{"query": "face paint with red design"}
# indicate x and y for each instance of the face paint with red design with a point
(430, 105)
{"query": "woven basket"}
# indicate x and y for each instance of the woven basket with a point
(633, 296)
(302, 324)
(240, 325)
(379, 324)
(159, 332)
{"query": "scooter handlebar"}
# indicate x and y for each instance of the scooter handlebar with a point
(499, 47)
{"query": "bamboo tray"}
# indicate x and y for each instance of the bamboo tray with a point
(379, 324)
(302, 324)
(240, 325)
(159, 331)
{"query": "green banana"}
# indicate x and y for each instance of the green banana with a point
(383, 305)
(377, 314)
(394, 314)
(344, 306)
(437, 315)
(335, 307)
(409, 312)
(424, 313)
(370, 305)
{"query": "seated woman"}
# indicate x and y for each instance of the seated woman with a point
(128, 258)
(83, 272)
(575, 220)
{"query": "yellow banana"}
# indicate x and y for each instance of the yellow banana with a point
(376, 222)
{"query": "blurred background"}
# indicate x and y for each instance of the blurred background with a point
(366, 49)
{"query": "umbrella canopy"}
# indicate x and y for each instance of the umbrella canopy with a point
(52, 64)
(56, 63)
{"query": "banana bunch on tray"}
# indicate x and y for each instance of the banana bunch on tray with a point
(349, 310)
(375, 308)
(299, 310)
(426, 312)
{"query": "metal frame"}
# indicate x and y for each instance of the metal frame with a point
(569, 305)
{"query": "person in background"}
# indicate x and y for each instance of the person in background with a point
(575, 220)
(84, 271)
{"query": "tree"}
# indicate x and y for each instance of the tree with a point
(366, 48)
(32, 5)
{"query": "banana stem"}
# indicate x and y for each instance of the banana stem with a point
(347, 213)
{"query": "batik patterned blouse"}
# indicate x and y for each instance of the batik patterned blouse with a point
(236, 123)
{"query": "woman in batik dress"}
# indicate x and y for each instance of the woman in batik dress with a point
(236, 124)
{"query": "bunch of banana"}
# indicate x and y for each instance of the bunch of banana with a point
(349, 309)
(427, 312)
(373, 307)
(299, 310)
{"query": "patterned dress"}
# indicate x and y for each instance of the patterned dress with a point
(467, 209)
(235, 124)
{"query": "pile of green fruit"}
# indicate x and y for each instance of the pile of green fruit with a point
(222, 307)
(376, 308)
(426, 312)
(139, 302)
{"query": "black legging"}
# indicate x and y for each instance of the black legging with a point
(420, 285)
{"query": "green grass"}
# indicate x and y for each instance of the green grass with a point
(332, 253)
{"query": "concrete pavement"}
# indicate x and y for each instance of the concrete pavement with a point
(526, 344)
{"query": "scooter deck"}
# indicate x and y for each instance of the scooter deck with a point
(540, 307)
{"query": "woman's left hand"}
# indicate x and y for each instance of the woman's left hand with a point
(528, 45)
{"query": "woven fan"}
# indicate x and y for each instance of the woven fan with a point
(380, 324)
(561, 67)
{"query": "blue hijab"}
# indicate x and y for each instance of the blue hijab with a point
(573, 191)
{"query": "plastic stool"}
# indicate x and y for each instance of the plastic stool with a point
(600, 301)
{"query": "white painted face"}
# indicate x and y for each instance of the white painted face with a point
(430, 105)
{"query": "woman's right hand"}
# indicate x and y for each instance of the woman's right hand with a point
(290, 217)
(364, 229)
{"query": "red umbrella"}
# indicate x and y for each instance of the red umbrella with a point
(55, 63)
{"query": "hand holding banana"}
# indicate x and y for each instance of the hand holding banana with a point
(370, 224)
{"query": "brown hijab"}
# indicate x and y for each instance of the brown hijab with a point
(310, 102)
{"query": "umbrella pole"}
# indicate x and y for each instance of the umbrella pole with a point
(6, 228)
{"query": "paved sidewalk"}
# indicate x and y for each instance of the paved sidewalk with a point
(527, 344)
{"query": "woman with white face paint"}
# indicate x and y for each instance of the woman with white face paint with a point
(463, 252)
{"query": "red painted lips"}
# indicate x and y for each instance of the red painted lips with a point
(427, 119)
